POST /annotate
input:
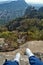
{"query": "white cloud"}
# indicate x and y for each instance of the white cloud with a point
(35, 1)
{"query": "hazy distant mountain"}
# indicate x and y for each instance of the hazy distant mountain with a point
(37, 6)
(33, 12)
(11, 10)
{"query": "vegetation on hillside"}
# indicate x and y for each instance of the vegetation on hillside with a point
(26, 28)
(34, 28)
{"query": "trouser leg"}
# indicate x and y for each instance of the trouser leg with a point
(16, 63)
(35, 61)
(32, 59)
(17, 59)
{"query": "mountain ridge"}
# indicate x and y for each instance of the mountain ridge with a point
(12, 10)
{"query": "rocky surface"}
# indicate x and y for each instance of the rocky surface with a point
(23, 61)
(35, 46)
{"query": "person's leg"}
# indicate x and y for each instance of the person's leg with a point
(32, 59)
(14, 62)
(17, 59)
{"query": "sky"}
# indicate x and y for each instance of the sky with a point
(7, 0)
(28, 1)
(35, 1)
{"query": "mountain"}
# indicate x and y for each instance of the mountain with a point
(37, 6)
(12, 10)
(33, 12)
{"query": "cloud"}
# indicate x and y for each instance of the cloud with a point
(35, 1)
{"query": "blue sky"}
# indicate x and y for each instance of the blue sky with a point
(28, 1)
